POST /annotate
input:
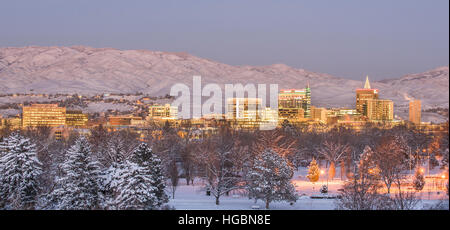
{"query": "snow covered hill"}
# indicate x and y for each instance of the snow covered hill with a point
(87, 70)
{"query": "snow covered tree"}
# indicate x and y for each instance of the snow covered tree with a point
(313, 171)
(79, 186)
(116, 151)
(419, 181)
(112, 176)
(269, 179)
(144, 157)
(19, 172)
(133, 188)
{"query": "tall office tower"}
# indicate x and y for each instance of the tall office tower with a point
(307, 107)
(362, 95)
(415, 111)
(243, 108)
(166, 112)
(380, 110)
(43, 115)
(76, 118)
(291, 102)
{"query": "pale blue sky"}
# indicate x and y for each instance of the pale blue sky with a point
(346, 38)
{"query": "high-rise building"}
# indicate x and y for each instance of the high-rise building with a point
(165, 112)
(362, 95)
(415, 111)
(380, 110)
(76, 118)
(243, 108)
(319, 114)
(43, 115)
(294, 104)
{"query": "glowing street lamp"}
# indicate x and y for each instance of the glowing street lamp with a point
(322, 172)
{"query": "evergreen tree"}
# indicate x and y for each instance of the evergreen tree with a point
(313, 171)
(112, 176)
(115, 150)
(79, 186)
(419, 181)
(19, 172)
(135, 188)
(144, 157)
(269, 179)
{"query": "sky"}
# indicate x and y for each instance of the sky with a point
(345, 38)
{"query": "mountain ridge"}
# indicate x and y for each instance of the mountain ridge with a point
(87, 70)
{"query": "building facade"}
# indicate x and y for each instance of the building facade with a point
(362, 95)
(415, 111)
(380, 110)
(76, 118)
(165, 112)
(43, 115)
(243, 108)
(294, 104)
(319, 114)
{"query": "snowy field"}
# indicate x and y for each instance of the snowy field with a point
(193, 197)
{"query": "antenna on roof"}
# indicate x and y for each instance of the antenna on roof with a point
(367, 84)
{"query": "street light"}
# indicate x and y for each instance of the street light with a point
(422, 170)
(321, 173)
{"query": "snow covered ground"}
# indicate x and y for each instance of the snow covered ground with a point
(103, 107)
(193, 197)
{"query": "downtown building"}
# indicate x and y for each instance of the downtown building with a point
(362, 95)
(380, 110)
(415, 111)
(162, 112)
(38, 115)
(76, 118)
(371, 107)
(249, 113)
(243, 109)
(294, 104)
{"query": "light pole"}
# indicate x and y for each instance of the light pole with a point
(321, 174)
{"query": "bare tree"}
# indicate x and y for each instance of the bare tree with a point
(218, 159)
(174, 177)
(333, 152)
(389, 156)
(361, 192)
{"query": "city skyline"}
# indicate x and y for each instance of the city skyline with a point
(225, 105)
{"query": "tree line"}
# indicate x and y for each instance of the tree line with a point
(117, 170)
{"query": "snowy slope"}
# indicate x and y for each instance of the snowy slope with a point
(88, 70)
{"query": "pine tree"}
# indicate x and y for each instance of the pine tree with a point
(419, 181)
(269, 179)
(144, 157)
(313, 171)
(79, 187)
(112, 176)
(115, 150)
(135, 188)
(19, 173)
